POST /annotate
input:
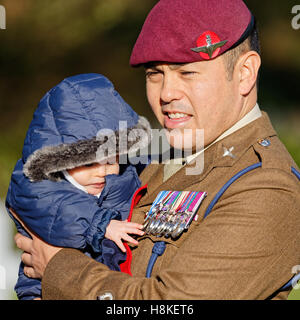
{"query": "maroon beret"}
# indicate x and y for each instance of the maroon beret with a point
(184, 31)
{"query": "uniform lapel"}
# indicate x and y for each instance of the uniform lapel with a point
(215, 156)
(179, 181)
(153, 177)
(232, 148)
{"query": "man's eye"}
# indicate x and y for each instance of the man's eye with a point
(187, 73)
(150, 74)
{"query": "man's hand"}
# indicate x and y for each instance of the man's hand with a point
(37, 253)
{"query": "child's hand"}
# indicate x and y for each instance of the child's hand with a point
(117, 230)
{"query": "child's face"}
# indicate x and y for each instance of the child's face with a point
(92, 177)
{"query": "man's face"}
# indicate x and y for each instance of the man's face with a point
(193, 96)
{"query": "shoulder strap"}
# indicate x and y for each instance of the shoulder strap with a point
(159, 247)
(227, 185)
(294, 280)
(296, 173)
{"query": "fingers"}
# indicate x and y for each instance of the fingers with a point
(129, 239)
(26, 259)
(133, 228)
(133, 231)
(119, 230)
(120, 244)
(23, 243)
(132, 224)
(137, 232)
(30, 273)
(135, 225)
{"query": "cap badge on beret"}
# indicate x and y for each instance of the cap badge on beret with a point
(209, 45)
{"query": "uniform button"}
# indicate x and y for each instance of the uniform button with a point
(264, 142)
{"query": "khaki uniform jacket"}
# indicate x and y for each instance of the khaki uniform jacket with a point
(245, 248)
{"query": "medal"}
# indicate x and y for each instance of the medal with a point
(172, 212)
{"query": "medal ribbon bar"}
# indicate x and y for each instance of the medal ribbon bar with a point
(172, 212)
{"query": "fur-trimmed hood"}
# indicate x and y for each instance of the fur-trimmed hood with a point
(80, 121)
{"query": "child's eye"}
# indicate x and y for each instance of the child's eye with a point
(89, 165)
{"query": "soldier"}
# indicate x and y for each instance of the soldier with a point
(202, 60)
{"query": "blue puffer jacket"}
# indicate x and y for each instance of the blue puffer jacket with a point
(64, 134)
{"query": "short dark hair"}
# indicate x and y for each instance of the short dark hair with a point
(251, 43)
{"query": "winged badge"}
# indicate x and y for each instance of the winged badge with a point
(210, 48)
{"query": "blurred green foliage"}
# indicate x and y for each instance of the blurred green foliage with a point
(48, 40)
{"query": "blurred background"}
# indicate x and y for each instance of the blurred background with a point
(46, 41)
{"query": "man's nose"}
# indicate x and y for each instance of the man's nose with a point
(170, 90)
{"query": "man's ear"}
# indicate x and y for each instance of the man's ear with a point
(249, 64)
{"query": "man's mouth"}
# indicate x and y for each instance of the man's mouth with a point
(175, 116)
(174, 120)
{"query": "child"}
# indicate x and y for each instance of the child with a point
(68, 188)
